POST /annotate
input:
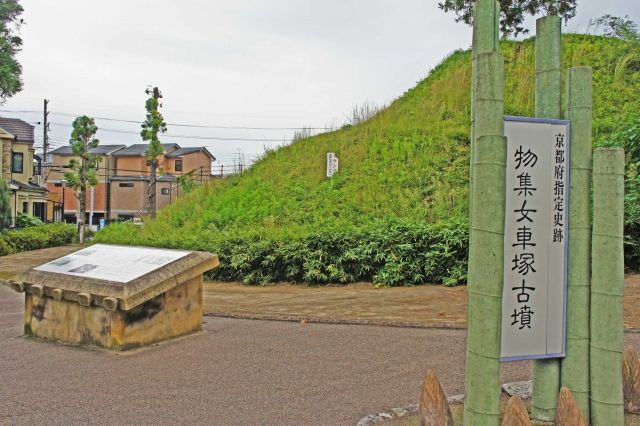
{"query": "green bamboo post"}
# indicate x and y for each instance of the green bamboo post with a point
(486, 252)
(574, 370)
(607, 286)
(546, 372)
(485, 40)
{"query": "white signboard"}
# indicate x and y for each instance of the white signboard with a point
(113, 263)
(332, 164)
(535, 239)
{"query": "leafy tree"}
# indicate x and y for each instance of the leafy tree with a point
(187, 182)
(153, 124)
(513, 12)
(5, 207)
(10, 45)
(614, 26)
(83, 171)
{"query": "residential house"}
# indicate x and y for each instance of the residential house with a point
(129, 187)
(98, 197)
(194, 160)
(21, 169)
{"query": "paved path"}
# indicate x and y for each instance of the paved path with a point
(237, 372)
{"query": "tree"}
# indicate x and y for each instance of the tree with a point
(10, 45)
(187, 182)
(512, 12)
(83, 171)
(5, 207)
(614, 26)
(153, 124)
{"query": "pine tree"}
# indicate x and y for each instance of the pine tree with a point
(153, 124)
(82, 175)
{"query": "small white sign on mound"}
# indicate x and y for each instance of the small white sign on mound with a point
(332, 164)
(535, 239)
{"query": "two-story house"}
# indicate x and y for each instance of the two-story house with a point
(194, 160)
(123, 179)
(21, 169)
(130, 186)
(98, 197)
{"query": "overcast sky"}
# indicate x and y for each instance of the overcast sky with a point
(246, 63)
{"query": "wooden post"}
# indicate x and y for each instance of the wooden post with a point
(486, 252)
(546, 372)
(607, 286)
(574, 371)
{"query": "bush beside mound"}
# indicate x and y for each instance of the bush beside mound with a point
(36, 237)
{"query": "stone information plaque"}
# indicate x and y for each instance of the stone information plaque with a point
(112, 263)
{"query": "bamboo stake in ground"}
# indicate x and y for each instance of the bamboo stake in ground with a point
(486, 252)
(546, 372)
(516, 413)
(574, 371)
(631, 379)
(607, 286)
(568, 411)
(434, 408)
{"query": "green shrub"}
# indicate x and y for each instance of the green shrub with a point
(24, 220)
(36, 237)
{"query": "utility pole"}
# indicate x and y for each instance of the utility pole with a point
(45, 138)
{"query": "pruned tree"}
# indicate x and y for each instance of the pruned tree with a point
(512, 12)
(10, 45)
(82, 174)
(153, 124)
(5, 207)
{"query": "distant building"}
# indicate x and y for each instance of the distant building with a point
(98, 198)
(21, 169)
(123, 179)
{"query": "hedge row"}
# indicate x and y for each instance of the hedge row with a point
(36, 237)
(394, 254)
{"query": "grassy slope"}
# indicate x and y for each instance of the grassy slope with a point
(409, 162)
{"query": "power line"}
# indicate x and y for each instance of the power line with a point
(218, 138)
(198, 126)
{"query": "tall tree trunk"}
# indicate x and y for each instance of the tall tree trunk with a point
(152, 189)
(82, 197)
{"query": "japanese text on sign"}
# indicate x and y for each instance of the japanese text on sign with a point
(533, 305)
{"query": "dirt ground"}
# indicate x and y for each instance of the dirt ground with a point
(359, 303)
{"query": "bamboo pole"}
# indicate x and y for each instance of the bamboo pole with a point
(607, 286)
(546, 372)
(485, 40)
(574, 370)
(486, 252)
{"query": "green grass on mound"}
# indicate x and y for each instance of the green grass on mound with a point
(396, 212)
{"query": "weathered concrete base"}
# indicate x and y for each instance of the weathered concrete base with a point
(174, 313)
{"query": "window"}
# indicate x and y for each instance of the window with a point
(164, 191)
(178, 165)
(126, 185)
(57, 184)
(25, 207)
(39, 211)
(16, 162)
